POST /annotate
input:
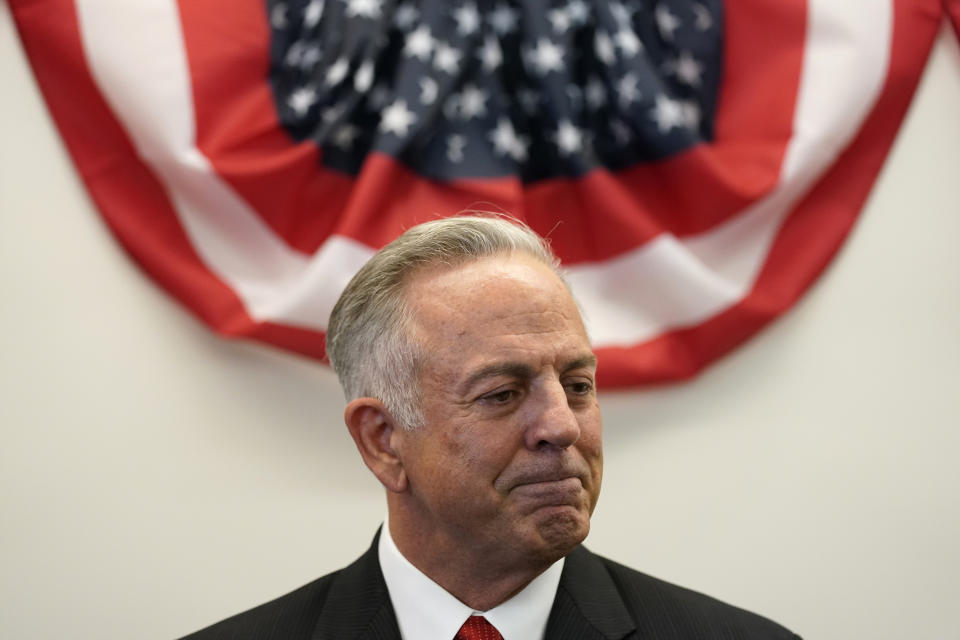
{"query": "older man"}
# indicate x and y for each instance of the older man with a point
(472, 398)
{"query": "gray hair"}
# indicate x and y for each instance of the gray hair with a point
(367, 339)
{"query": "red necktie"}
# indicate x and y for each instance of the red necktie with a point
(477, 628)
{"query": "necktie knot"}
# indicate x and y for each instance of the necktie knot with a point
(477, 628)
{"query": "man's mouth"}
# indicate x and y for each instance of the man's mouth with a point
(551, 491)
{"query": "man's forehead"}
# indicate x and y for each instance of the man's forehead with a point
(492, 295)
(498, 310)
(483, 276)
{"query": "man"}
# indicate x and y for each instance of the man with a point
(471, 397)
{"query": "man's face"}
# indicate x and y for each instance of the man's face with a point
(509, 459)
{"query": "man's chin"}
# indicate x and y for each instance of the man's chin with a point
(560, 529)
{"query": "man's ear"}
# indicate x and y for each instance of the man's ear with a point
(372, 428)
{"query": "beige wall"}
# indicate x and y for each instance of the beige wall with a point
(154, 478)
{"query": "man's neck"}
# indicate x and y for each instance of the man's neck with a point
(426, 611)
(479, 578)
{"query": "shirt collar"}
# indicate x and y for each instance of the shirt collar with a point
(426, 611)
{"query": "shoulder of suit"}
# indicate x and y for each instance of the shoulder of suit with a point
(658, 605)
(293, 615)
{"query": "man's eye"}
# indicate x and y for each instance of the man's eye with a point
(580, 388)
(501, 397)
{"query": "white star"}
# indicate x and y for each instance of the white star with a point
(473, 102)
(490, 53)
(667, 113)
(344, 136)
(560, 20)
(447, 58)
(467, 18)
(546, 57)
(397, 118)
(578, 12)
(628, 42)
(337, 71)
(419, 43)
(667, 23)
(294, 53)
(455, 146)
(604, 48)
(311, 15)
(503, 19)
(687, 69)
(278, 16)
(310, 57)
(702, 18)
(302, 99)
(596, 93)
(620, 13)
(363, 78)
(405, 16)
(506, 142)
(627, 89)
(365, 8)
(568, 137)
(519, 151)
(428, 90)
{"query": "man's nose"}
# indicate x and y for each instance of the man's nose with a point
(552, 421)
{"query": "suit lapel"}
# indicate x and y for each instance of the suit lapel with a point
(358, 605)
(588, 605)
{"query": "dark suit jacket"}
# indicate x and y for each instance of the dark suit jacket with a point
(597, 599)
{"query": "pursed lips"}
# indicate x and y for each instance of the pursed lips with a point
(553, 491)
(570, 470)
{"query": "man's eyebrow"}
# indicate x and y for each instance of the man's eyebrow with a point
(589, 361)
(512, 369)
(521, 370)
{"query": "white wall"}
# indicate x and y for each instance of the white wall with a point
(154, 478)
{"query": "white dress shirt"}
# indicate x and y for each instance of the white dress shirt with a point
(426, 611)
